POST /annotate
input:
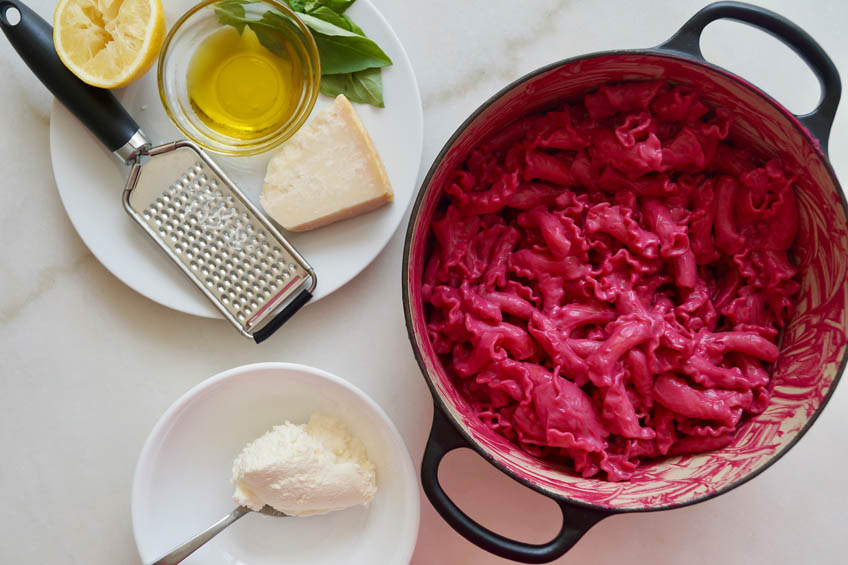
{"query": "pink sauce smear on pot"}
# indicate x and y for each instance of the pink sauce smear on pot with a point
(607, 280)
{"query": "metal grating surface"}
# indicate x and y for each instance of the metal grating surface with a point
(210, 231)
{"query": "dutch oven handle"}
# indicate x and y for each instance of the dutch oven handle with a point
(687, 42)
(576, 521)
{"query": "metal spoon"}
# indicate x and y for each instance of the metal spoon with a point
(179, 553)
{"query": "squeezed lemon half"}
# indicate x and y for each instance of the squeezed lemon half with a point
(108, 43)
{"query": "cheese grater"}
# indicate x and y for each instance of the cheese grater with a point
(181, 198)
(217, 237)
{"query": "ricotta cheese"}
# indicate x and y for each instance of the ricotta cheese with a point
(302, 470)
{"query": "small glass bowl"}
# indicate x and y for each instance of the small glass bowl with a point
(187, 34)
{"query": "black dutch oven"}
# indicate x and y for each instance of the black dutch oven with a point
(813, 348)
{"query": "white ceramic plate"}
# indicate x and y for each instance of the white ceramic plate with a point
(90, 181)
(182, 479)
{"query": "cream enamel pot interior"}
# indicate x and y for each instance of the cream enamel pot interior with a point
(813, 348)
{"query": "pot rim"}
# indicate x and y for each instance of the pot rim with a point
(440, 402)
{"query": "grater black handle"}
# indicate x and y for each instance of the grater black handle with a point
(282, 317)
(98, 109)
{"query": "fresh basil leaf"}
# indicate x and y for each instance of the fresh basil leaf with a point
(297, 5)
(341, 20)
(321, 26)
(328, 15)
(352, 26)
(272, 37)
(344, 51)
(341, 54)
(231, 12)
(365, 87)
(338, 6)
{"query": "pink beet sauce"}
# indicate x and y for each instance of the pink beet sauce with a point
(607, 279)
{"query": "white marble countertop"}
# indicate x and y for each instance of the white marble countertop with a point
(88, 365)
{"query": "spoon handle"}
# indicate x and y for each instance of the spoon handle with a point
(177, 554)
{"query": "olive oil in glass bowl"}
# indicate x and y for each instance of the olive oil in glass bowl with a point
(239, 86)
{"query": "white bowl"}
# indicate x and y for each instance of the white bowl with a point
(182, 479)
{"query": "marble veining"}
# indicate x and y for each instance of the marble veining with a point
(45, 281)
(510, 47)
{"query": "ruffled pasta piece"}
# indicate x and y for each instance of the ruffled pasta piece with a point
(679, 104)
(619, 224)
(722, 406)
(552, 229)
(619, 414)
(569, 417)
(561, 132)
(639, 159)
(627, 333)
(541, 166)
(727, 237)
(611, 180)
(533, 194)
(530, 264)
(557, 346)
(624, 97)
(495, 274)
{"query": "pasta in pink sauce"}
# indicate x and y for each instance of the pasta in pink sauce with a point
(607, 280)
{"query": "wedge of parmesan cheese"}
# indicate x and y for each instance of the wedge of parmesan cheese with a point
(326, 172)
